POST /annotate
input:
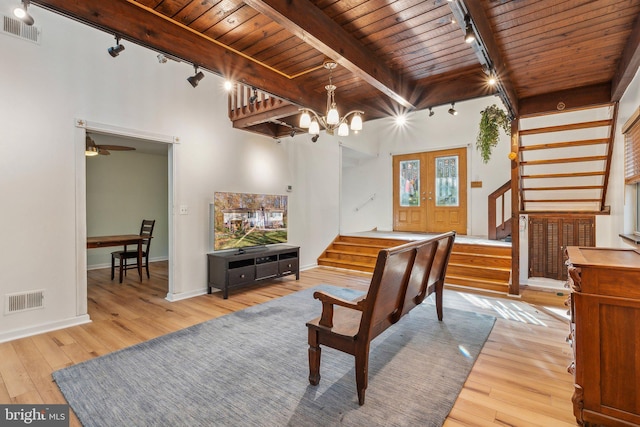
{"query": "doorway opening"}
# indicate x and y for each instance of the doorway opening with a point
(154, 155)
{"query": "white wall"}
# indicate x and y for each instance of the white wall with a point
(124, 188)
(620, 197)
(70, 75)
(373, 174)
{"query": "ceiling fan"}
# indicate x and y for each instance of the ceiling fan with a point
(92, 149)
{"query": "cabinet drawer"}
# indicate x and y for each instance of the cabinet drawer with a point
(289, 265)
(268, 269)
(238, 276)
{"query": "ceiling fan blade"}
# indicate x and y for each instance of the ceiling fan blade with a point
(103, 151)
(115, 147)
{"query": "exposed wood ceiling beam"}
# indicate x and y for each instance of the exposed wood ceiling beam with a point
(489, 45)
(140, 25)
(571, 99)
(303, 19)
(629, 63)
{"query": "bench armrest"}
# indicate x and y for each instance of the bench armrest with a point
(328, 301)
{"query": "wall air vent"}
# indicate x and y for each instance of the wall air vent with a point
(16, 28)
(23, 301)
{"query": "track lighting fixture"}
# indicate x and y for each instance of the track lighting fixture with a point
(22, 14)
(315, 138)
(115, 50)
(195, 79)
(452, 110)
(162, 59)
(292, 133)
(469, 35)
(431, 112)
(253, 98)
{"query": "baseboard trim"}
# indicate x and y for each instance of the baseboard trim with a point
(45, 327)
(172, 297)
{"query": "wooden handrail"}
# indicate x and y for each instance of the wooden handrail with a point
(505, 225)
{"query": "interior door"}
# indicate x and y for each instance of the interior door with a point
(409, 192)
(447, 191)
(430, 191)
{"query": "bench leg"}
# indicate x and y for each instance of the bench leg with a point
(362, 372)
(439, 291)
(314, 358)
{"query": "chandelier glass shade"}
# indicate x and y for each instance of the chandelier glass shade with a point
(331, 121)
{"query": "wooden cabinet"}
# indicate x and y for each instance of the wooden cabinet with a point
(605, 328)
(228, 270)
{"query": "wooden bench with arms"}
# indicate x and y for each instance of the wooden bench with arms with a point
(403, 277)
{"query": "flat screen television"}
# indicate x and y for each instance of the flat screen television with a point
(242, 220)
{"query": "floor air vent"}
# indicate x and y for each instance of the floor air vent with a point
(17, 28)
(23, 301)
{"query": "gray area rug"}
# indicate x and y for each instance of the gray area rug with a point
(250, 368)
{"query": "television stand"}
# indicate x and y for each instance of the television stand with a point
(229, 270)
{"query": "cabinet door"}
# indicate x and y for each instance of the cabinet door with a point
(548, 236)
(606, 357)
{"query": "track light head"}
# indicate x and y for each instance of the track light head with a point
(162, 59)
(195, 79)
(452, 110)
(115, 50)
(21, 13)
(469, 35)
(431, 112)
(315, 138)
(292, 133)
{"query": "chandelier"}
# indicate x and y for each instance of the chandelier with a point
(332, 120)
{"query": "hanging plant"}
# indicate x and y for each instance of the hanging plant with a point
(492, 119)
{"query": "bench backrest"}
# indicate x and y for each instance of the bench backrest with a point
(403, 277)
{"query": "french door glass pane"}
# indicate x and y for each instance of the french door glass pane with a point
(447, 181)
(410, 183)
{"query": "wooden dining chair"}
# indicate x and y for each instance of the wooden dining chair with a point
(124, 256)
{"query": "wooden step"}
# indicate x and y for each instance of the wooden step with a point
(491, 273)
(349, 265)
(478, 283)
(366, 258)
(488, 249)
(358, 247)
(495, 261)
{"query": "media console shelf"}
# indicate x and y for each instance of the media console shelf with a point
(227, 270)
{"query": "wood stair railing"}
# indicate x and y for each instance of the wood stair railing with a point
(258, 112)
(499, 219)
(474, 265)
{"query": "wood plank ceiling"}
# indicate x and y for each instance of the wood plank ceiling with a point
(393, 55)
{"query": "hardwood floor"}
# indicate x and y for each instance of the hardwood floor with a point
(519, 379)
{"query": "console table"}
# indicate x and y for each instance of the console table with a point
(227, 270)
(605, 335)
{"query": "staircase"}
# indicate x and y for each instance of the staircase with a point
(475, 265)
(565, 167)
